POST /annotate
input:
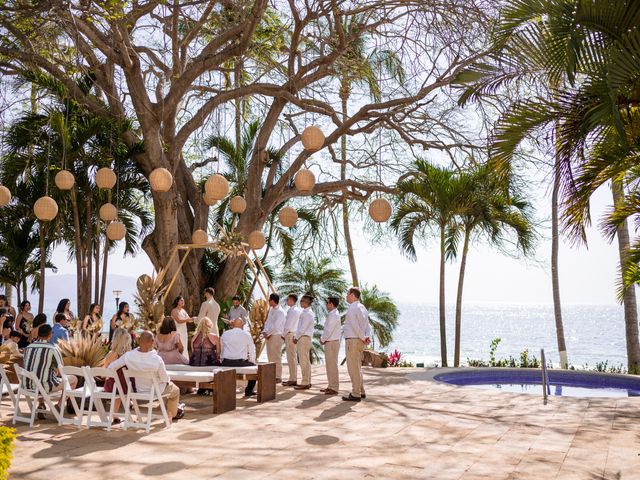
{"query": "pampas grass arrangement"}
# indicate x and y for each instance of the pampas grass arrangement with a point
(258, 317)
(149, 300)
(82, 350)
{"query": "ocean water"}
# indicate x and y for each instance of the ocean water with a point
(593, 333)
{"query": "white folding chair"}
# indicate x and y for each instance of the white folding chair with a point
(98, 396)
(31, 394)
(72, 394)
(7, 387)
(154, 394)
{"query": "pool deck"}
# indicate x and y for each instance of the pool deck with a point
(407, 428)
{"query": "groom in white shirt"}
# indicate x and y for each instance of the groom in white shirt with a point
(330, 339)
(357, 336)
(210, 309)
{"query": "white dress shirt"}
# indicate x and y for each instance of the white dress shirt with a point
(306, 323)
(238, 345)
(291, 322)
(211, 310)
(356, 322)
(275, 322)
(146, 362)
(331, 326)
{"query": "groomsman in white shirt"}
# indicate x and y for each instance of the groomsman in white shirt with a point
(330, 338)
(302, 339)
(210, 309)
(273, 333)
(357, 335)
(290, 327)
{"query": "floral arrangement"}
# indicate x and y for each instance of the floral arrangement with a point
(231, 244)
(82, 350)
(7, 437)
(394, 358)
(149, 300)
(257, 319)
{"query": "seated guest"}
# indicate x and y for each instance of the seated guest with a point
(146, 359)
(10, 346)
(238, 350)
(44, 360)
(38, 320)
(60, 331)
(7, 327)
(205, 345)
(168, 343)
(120, 344)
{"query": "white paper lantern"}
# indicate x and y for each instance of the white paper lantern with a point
(106, 178)
(199, 237)
(116, 230)
(45, 209)
(160, 180)
(288, 217)
(237, 204)
(217, 186)
(305, 180)
(65, 180)
(5, 196)
(380, 210)
(312, 139)
(256, 240)
(108, 212)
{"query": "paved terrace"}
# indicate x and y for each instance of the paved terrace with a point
(407, 428)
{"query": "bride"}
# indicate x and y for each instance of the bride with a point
(181, 317)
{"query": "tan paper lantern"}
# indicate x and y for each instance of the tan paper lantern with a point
(199, 237)
(237, 204)
(305, 180)
(256, 240)
(160, 180)
(380, 210)
(312, 139)
(105, 178)
(108, 212)
(209, 199)
(217, 186)
(288, 217)
(65, 180)
(116, 230)
(45, 209)
(5, 196)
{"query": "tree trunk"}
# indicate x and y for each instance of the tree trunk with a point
(84, 306)
(8, 291)
(19, 297)
(237, 79)
(443, 323)
(78, 247)
(96, 242)
(629, 299)
(345, 202)
(555, 280)
(463, 266)
(24, 287)
(43, 266)
(105, 258)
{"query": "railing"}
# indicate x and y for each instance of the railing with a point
(546, 389)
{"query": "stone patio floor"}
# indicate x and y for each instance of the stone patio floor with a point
(407, 428)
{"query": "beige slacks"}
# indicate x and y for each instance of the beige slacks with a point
(331, 350)
(355, 348)
(172, 393)
(274, 353)
(292, 357)
(304, 358)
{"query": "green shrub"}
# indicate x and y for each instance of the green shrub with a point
(7, 437)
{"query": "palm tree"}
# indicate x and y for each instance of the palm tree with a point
(493, 208)
(430, 197)
(383, 313)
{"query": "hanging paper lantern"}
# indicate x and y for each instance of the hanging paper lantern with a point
(108, 212)
(5, 196)
(199, 237)
(65, 180)
(45, 209)
(237, 204)
(288, 217)
(160, 180)
(380, 210)
(305, 180)
(116, 230)
(209, 199)
(217, 186)
(256, 240)
(312, 139)
(105, 178)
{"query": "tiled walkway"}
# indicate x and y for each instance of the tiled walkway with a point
(406, 429)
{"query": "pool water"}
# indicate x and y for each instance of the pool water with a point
(559, 390)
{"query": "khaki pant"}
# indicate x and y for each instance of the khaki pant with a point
(274, 353)
(304, 358)
(355, 348)
(292, 358)
(331, 350)
(172, 393)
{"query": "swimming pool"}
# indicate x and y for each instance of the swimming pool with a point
(566, 383)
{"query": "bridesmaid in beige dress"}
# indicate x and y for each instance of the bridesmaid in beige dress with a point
(181, 317)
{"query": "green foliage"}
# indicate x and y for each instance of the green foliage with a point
(383, 313)
(7, 437)
(492, 351)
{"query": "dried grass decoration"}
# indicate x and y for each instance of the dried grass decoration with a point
(149, 300)
(82, 351)
(257, 319)
(230, 244)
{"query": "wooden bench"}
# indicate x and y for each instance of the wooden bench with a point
(222, 383)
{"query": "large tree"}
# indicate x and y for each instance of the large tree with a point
(164, 63)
